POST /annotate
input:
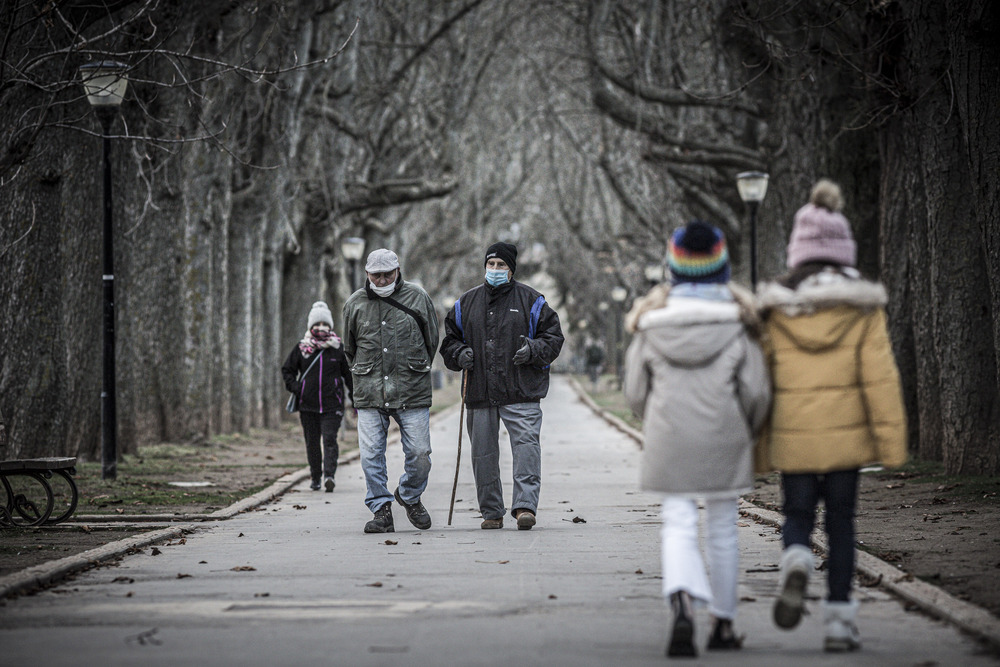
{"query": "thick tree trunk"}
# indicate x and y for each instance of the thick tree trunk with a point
(952, 289)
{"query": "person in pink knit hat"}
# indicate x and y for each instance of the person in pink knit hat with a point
(837, 404)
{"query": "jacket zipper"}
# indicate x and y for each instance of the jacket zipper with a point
(321, 381)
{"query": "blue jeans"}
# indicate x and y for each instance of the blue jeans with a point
(415, 432)
(839, 491)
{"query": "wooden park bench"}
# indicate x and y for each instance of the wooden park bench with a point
(28, 485)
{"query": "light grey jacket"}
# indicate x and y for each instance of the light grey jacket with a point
(700, 384)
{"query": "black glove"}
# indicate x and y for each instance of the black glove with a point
(465, 358)
(523, 354)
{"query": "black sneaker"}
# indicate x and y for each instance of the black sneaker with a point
(416, 513)
(723, 637)
(315, 485)
(330, 484)
(681, 643)
(382, 523)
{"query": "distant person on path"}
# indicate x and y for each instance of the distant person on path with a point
(594, 357)
(316, 371)
(390, 336)
(504, 336)
(695, 374)
(837, 405)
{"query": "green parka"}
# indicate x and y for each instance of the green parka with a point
(390, 357)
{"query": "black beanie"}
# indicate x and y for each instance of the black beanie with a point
(505, 251)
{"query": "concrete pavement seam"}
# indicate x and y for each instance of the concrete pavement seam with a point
(931, 599)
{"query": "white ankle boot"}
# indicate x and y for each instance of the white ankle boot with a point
(841, 632)
(796, 566)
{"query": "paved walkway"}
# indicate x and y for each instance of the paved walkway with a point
(297, 582)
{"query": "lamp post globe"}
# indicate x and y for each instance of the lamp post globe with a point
(353, 248)
(654, 273)
(752, 186)
(105, 83)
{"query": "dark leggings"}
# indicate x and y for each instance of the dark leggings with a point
(839, 491)
(322, 463)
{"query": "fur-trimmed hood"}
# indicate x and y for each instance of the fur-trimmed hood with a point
(690, 330)
(825, 289)
(823, 308)
(657, 298)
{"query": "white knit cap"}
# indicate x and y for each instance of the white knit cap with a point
(381, 260)
(320, 312)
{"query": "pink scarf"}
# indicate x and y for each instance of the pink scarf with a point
(313, 340)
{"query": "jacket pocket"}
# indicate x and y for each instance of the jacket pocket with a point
(418, 364)
(362, 367)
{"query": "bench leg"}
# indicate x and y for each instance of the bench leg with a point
(64, 510)
(22, 510)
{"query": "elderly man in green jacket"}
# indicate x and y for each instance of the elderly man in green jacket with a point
(390, 336)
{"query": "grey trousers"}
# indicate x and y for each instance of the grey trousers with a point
(524, 424)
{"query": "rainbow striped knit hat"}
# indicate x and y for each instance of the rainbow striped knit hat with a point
(697, 253)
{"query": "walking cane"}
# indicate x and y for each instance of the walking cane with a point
(461, 427)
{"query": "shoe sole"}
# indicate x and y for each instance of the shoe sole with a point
(419, 526)
(788, 607)
(525, 521)
(839, 645)
(390, 529)
(682, 640)
(329, 486)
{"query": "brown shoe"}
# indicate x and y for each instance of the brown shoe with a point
(525, 519)
(491, 524)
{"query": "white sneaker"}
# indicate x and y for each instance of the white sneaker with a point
(796, 565)
(841, 632)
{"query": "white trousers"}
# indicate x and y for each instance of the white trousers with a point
(683, 567)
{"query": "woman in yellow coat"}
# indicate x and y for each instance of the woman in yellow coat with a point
(837, 403)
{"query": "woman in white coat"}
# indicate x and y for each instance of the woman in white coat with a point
(696, 375)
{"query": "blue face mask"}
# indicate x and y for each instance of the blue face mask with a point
(496, 277)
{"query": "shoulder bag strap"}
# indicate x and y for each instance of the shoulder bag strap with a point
(412, 313)
(319, 353)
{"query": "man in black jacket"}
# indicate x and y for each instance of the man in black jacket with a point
(504, 336)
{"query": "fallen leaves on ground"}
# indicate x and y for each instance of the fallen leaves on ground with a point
(244, 568)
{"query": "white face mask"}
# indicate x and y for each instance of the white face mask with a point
(382, 291)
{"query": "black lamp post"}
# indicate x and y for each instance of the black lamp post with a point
(752, 186)
(618, 295)
(105, 83)
(352, 248)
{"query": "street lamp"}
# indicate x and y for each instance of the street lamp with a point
(618, 295)
(105, 83)
(352, 248)
(752, 186)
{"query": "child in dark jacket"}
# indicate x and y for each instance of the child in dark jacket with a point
(317, 372)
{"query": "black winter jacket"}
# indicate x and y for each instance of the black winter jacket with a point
(493, 321)
(322, 388)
